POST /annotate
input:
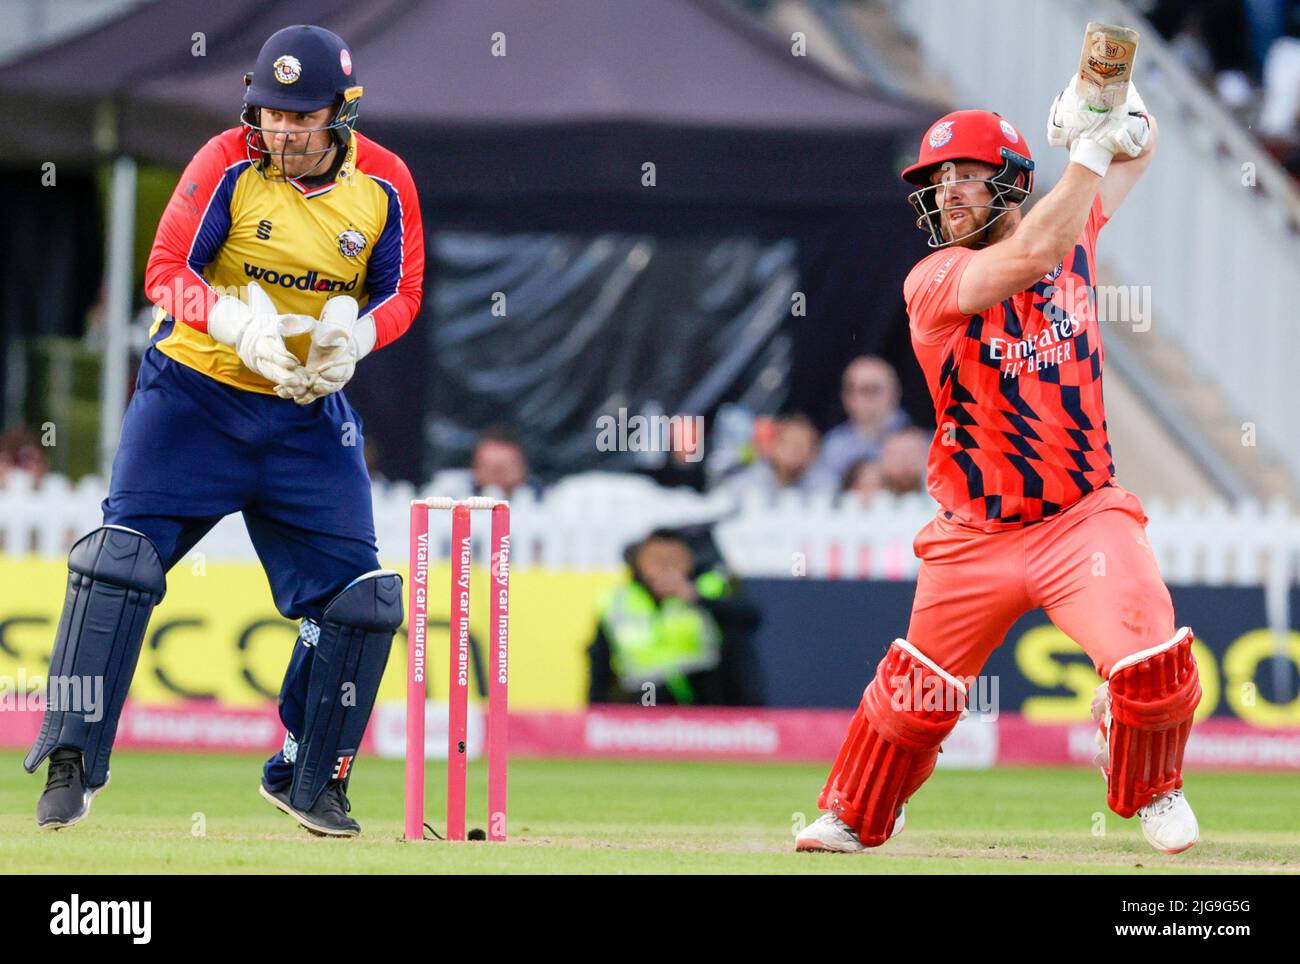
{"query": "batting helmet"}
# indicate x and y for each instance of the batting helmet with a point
(301, 69)
(970, 135)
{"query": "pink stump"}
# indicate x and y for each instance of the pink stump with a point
(458, 673)
(417, 619)
(499, 673)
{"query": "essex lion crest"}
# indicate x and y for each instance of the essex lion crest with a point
(351, 243)
(287, 69)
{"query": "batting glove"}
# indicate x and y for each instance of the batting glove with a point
(1095, 137)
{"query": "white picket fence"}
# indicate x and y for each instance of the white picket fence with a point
(586, 521)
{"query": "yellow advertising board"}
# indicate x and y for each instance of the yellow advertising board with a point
(217, 633)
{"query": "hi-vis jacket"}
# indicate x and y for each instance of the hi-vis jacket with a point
(660, 642)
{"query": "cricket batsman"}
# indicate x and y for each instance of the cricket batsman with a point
(239, 407)
(1003, 322)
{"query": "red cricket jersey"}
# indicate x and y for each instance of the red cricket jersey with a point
(1017, 389)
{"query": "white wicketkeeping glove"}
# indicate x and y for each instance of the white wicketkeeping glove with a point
(257, 331)
(338, 342)
(1095, 137)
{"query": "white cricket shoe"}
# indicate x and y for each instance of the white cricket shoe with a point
(1169, 824)
(829, 834)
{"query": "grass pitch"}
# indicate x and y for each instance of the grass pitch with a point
(170, 813)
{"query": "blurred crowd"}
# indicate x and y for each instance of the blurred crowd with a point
(747, 456)
(876, 448)
(1248, 53)
(755, 457)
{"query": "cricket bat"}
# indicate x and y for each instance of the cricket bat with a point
(1106, 65)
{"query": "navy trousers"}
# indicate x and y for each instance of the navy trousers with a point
(194, 450)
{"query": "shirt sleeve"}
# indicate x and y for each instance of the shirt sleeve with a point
(395, 274)
(193, 227)
(1096, 221)
(931, 294)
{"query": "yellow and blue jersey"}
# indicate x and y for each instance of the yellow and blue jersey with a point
(227, 225)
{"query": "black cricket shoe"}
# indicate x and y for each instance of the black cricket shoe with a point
(66, 798)
(328, 818)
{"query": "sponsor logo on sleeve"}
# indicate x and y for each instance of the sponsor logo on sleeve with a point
(943, 271)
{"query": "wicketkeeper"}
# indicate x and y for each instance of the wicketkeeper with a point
(1003, 323)
(280, 233)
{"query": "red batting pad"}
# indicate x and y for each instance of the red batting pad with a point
(892, 744)
(1151, 706)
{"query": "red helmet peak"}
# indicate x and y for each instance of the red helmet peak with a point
(974, 135)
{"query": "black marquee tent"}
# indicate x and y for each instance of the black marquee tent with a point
(522, 121)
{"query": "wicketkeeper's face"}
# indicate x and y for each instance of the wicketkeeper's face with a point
(296, 140)
(963, 198)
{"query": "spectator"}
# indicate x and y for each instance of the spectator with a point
(863, 479)
(20, 451)
(1268, 20)
(1280, 110)
(902, 461)
(673, 634)
(499, 461)
(1213, 40)
(870, 393)
(787, 466)
(498, 466)
(1279, 113)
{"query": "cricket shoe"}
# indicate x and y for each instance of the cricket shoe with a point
(1169, 824)
(327, 818)
(66, 798)
(829, 834)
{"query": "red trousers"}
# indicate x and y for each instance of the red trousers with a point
(1090, 568)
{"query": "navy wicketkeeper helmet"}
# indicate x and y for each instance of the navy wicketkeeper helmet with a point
(301, 69)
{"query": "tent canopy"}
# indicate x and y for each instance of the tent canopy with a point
(496, 99)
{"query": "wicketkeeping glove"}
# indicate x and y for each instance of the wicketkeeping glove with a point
(257, 332)
(339, 341)
(299, 381)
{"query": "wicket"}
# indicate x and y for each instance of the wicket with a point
(458, 666)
